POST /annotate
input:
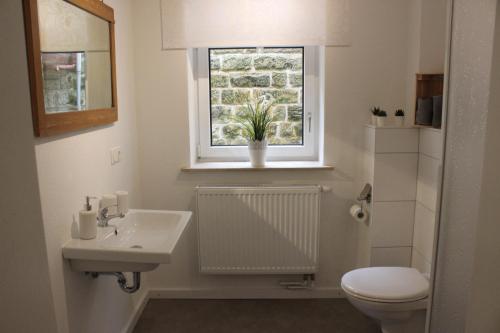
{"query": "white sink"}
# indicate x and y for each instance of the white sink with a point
(146, 238)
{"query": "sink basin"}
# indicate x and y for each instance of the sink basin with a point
(146, 239)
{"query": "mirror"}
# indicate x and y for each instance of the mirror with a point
(72, 66)
(76, 62)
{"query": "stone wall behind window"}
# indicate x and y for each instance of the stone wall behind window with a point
(237, 75)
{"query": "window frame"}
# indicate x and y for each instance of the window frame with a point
(307, 151)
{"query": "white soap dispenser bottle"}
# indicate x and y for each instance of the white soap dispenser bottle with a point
(88, 220)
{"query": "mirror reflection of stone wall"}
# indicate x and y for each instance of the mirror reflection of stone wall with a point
(64, 81)
(76, 61)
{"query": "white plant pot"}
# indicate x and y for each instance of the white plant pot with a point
(381, 121)
(257, 151)
(374, 120)
(399, 121)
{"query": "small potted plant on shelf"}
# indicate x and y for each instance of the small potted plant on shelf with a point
(381, 117)
(256, 122)
(375, 110)
(400, 117)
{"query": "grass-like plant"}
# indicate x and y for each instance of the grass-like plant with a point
(257, 120)
(375, 110)
(399, 113)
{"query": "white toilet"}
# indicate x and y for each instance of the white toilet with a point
(395, 296)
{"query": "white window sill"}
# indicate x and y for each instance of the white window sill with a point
(245, 166)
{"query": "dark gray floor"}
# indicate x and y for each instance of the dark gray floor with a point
(252, 316)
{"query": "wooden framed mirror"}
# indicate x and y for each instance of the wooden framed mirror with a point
(71, 62)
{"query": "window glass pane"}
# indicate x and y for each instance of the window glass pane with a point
(238, 75)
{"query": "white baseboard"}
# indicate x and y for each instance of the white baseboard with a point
(249, 293)
(132, 321)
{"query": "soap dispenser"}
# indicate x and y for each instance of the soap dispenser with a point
(88, 220)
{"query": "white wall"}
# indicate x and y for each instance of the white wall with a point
(77, 164)
(353, 85)
(483, 305)
(426, 44)
(26, 303)
(432, 36)
(471, 54)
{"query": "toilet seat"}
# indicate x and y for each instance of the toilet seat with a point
(386, 284)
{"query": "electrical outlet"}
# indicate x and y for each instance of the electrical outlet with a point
(115, 155)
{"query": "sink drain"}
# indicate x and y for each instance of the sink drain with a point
(136, 247)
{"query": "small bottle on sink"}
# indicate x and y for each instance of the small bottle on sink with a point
(87, 221)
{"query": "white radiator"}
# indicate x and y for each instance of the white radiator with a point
(258, 230)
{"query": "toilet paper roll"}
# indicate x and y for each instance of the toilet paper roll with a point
(122, 201)
(358, 213)
(109, 201)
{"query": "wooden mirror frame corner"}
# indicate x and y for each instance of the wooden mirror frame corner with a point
(58, 123)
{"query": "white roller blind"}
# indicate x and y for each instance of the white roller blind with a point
(230, 23)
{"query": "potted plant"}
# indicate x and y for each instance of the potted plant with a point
(381, 117)
(400, 117)
(255, 123)
(375, 110)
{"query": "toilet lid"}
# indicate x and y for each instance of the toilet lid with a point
(386, 284)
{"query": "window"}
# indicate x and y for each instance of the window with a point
(228, 78)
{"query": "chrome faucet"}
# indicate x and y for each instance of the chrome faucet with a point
(103, 218)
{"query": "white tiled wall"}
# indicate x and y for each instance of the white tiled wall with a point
(395, 176)
(430, 154)
(404, 166)
(395, 166)
(392, 223)
(396, 140)
(423, 234)
(431, 142)
(427, 181)
(419, 262)
(391, 256)
(369, 154)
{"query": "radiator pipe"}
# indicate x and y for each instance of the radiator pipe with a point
(306, 283)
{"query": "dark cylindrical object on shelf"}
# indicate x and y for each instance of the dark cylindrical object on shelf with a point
(424, 111)
(437, 107)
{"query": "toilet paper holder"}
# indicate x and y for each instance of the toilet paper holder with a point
(366, 194)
